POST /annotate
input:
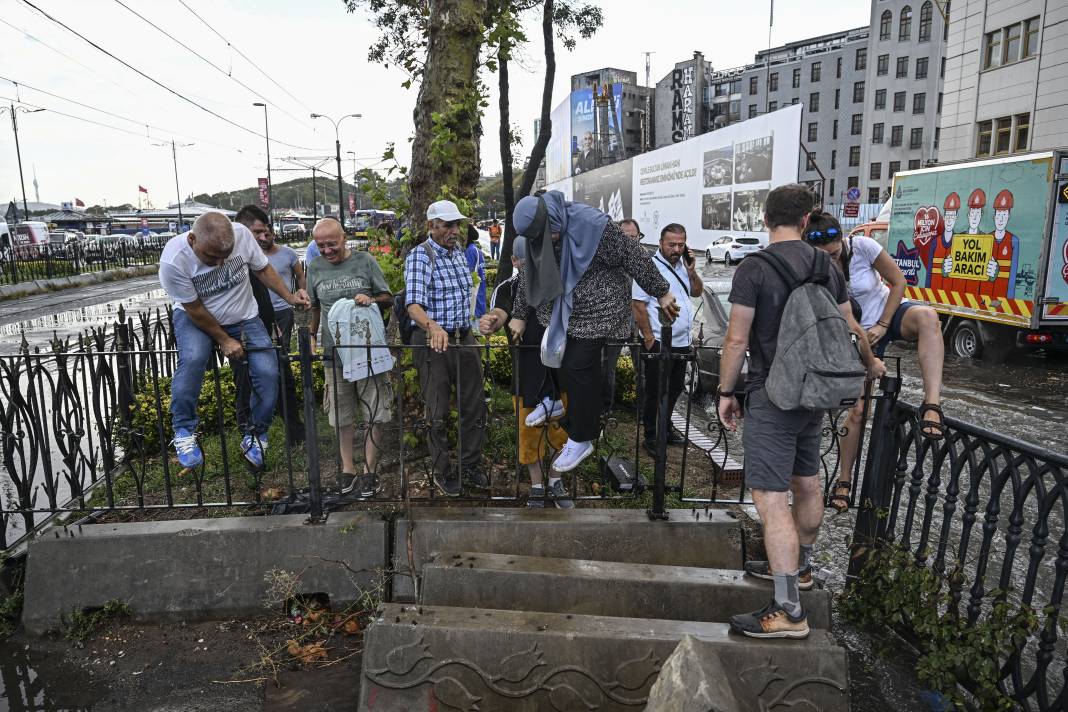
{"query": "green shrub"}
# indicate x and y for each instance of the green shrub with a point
(626, 382)
(491, 278)
(500, 359)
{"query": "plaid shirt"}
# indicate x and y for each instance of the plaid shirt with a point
(444, 291)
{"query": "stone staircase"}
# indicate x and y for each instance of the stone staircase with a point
(579, 610)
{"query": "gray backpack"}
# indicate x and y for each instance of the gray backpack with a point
(817, 364)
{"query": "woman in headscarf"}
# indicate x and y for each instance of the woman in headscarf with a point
(577, 280)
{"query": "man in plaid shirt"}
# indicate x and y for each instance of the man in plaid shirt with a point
(438, 286)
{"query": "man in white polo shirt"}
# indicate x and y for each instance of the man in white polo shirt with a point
(206, 272)
(676, 265)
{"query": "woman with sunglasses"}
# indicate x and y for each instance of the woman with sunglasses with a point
(876, 288)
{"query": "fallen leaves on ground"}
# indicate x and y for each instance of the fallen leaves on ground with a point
(307, 654)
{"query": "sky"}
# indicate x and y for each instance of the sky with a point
(308, 56)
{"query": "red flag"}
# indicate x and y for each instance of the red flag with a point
(142, 189)
(78, 203)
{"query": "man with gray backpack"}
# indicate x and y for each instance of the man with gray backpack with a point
(807, 355)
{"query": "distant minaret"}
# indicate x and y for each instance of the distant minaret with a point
(36, 192)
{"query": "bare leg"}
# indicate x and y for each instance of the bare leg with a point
(534, 470)
(371, 449)
(807, 510)
(344, 435)
(780, 531)
(920, 324)
(849, 443)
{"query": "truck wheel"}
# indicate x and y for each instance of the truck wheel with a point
(966, 341)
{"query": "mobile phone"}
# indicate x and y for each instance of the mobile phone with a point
(688, 256)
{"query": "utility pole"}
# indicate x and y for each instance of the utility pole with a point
(174, 156)
(18, 152)
(337, 148)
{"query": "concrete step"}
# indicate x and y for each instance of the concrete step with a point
(603, 588)
(420, 658)
(688, 538)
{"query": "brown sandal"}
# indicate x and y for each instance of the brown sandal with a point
(839, 499)
(931, 429)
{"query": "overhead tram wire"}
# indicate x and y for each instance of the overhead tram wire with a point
(243, 56)
(211, 64)
(158, 83)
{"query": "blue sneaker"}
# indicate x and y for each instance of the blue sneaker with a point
(185, 444)
(254, 448)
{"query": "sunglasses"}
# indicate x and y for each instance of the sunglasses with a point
(822, 237)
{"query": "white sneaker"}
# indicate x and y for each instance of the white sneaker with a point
(572, 454)
(548, 409)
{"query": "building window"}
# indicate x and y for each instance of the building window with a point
(904, 25)
(810, 163)
(834, 130)
(899, 101)
(793, 101)
(876, 171)
(892, 168)
(921, 67)
(873, 195)
(858, 92)
(880, 99)
(834, 159)
(795, 80)
(916, 138)
(773, 106)
(1030, 38)
(1002, 135)
(942, 69)
(914, 163)
(939, 110)
(876, 133)
(924, 34)
(814, 102)
(882, 65)
(752, 86)
(1012, 44)
(838, 69)
(752, 110)
(1023, 126)
(919, 103)
(812, 130)
(945, 24)
(902, 67)
(773, 82)
(992, 49)
(984, 135)
(885, 21)
(832, 187)
(854, 156)
(852, 182)
(862, 59)
(837, 96)
(814, 70)
(938, 135)
(856, 128)
(896, 133)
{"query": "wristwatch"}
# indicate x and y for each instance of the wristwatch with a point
(725, 394)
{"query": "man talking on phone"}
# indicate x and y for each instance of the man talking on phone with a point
(676, 264)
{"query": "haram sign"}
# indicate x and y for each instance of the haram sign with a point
(971, 255)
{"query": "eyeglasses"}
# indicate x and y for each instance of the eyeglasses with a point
(822, 237)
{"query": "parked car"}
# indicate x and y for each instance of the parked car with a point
(294, 231)
(730, 249)
(709, 330)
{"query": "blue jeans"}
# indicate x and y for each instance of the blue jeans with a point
(195, 350)
(495, 250)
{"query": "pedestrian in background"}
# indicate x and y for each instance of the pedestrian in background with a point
(495, 240)
(476, 261)
(578, 264)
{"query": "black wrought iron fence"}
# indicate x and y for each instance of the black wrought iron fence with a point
(24, 263)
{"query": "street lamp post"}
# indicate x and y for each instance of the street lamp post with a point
(174, 156)
(267, 135)
(337, 147)
(18, 152)
(355, 180)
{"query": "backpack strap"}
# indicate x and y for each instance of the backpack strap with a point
(781, 267)
(429, 252)
(821, 268)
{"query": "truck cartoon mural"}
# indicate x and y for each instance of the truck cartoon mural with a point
(996, 273)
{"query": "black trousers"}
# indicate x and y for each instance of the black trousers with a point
(536, 381)
(676, 383)
(580, 374)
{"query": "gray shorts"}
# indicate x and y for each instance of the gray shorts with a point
(778, 444)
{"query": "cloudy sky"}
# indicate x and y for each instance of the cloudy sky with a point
(299, 57)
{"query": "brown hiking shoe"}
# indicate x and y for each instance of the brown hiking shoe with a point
(761, 570)
(771, 621)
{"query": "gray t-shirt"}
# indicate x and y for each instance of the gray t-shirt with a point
(283, 259)
(757, 285)
(327, 283)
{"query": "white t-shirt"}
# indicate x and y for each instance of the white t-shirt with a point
(865, 284)
(225, 290)
(676, 277)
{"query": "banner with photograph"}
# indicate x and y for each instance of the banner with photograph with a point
(715, 184)
(265, 194)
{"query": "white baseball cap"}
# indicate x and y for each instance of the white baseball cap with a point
(444, 210)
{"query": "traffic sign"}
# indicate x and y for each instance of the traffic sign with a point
(853, 193)
(851, 210)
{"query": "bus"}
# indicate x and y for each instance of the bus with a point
(372, 218)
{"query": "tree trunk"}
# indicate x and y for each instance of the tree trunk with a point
(506, 167)
(448, 88)
(537, 154)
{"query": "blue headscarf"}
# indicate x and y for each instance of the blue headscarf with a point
(580, 228)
